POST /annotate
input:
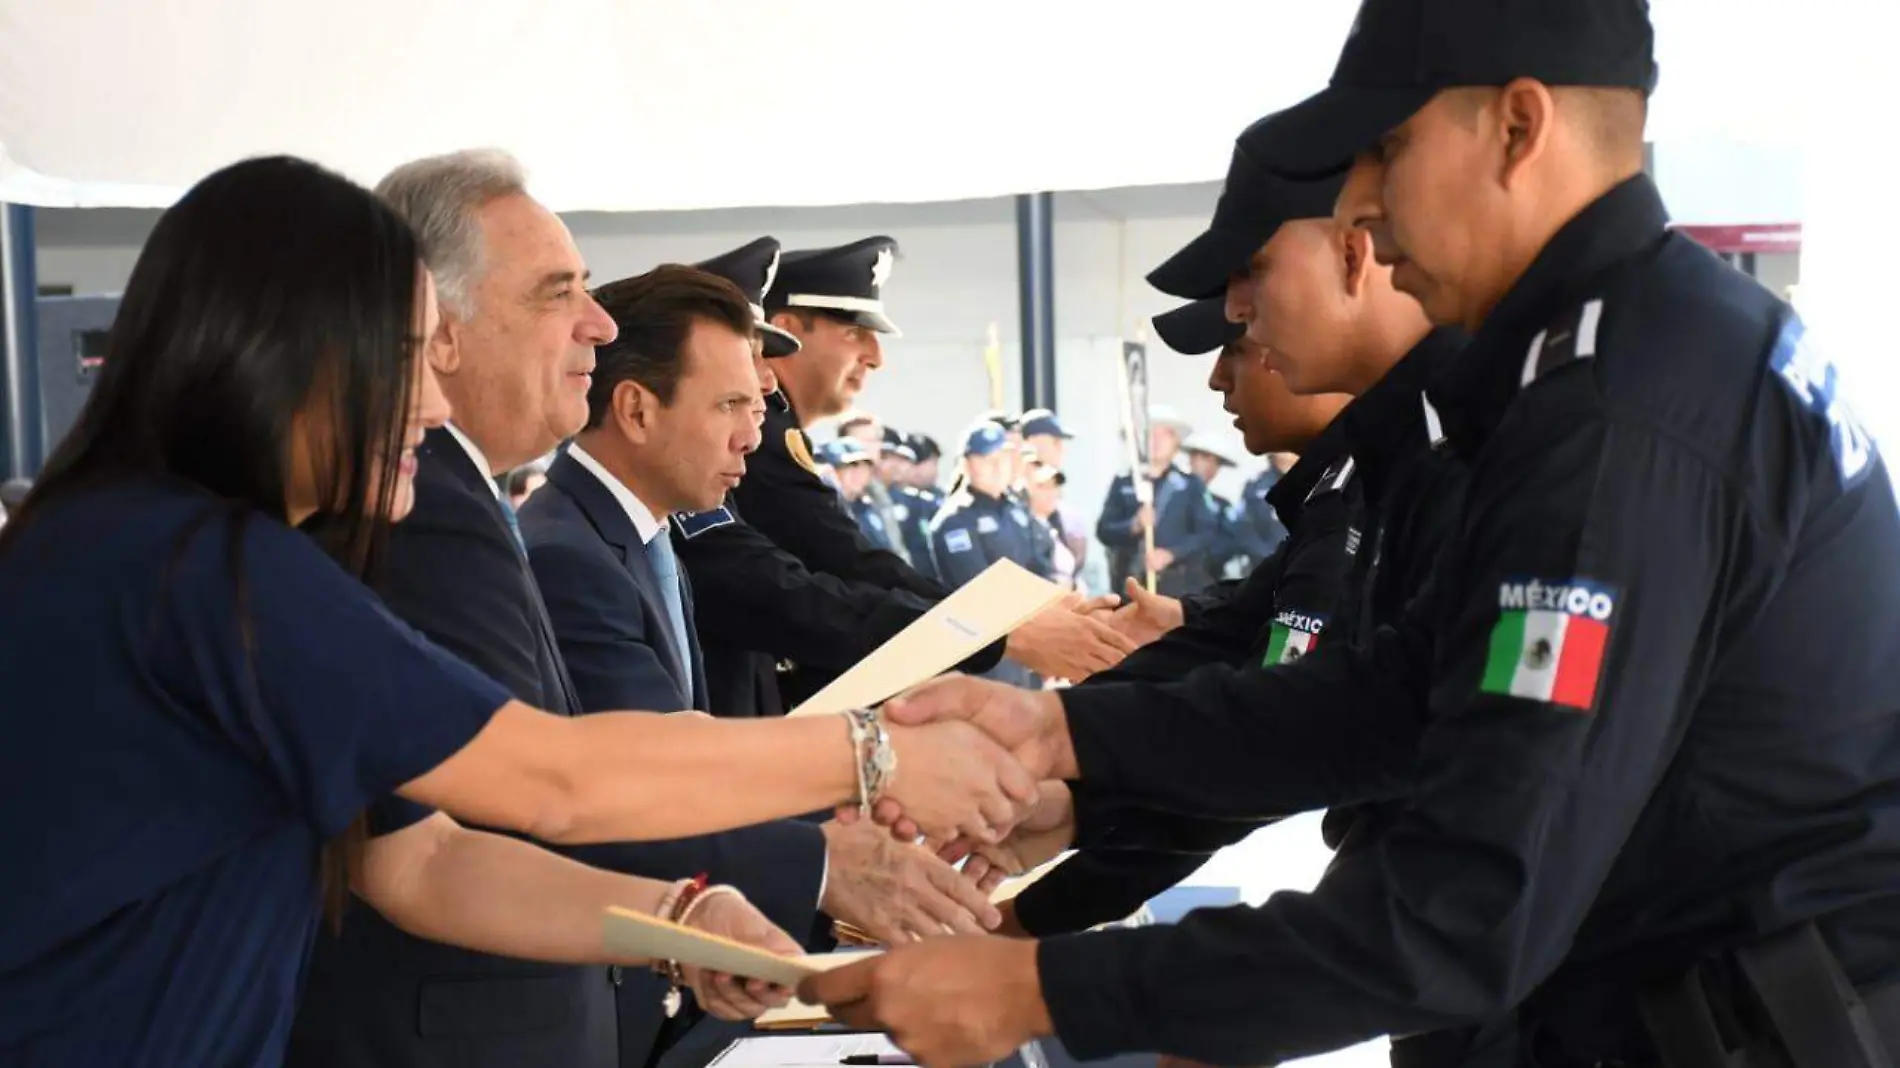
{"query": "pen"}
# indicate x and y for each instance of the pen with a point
(879, 1060)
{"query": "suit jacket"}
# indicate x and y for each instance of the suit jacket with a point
(379, 997)
(604, 596)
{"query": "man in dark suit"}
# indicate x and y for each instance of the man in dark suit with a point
(673, 412)
(513, 355)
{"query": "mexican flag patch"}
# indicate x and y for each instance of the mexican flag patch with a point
(1293, 636)
(1549, 641)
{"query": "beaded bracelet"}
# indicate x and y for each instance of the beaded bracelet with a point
(877, 758)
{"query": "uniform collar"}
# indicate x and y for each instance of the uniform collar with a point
(1288, 495)
(1474, 392)
(1388, 421)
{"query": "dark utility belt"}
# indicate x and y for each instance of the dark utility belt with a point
(1786, 1004)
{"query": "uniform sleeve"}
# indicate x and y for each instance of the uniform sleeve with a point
(750, 594)
(1217, 627)
(800, 514)
(962, 554)
(1115, 527)
(1099, 886)
(306, 669)
(1552, 714)
(600, 626)
(1200, 532)
(1257, 528)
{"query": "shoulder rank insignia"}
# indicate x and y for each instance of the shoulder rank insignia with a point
(1572, 338)
(801, 452)
(1333, 479)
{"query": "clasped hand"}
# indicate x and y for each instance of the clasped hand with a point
(968, 746)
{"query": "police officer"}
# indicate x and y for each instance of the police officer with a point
(1184, 530)
(1651, 813)
(1283, 602)
(983, 522)
(923, 471)
(1206, 459)
(1257, 529)
(1349, 333)
(912, 509)
(852, 467)
(790, 593)
(757, 606)
(864, 428)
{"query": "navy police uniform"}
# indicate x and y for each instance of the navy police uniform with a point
(790, 592)
(1388, 493)
(1183, 525)
(975, 530)
(863, 509)
(1256, 527)
(913, 509)
(1628, 748)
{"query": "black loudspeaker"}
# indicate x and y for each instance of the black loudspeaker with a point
(72, 336)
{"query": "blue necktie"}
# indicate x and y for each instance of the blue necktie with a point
(514, 521)
(666, 568)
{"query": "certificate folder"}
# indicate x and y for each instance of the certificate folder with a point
(636, 934)
(991, 605)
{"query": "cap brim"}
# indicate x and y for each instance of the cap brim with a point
(1202, 268)
(877, 321)
(1198, 328)
(1320, 136)
(778, 341)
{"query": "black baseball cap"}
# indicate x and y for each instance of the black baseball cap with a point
(1197, 328)
(1402, 53)
(1254, 203)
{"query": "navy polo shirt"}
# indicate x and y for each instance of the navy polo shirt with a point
(191, 704)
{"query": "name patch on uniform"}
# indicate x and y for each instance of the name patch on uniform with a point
(986, 525)
(1816, 384)
(692, 524)
(1294, 635)
(1549, 641)
(899, 512)
(957, 541)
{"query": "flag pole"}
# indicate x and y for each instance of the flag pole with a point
(1148, 534)
(993, 366)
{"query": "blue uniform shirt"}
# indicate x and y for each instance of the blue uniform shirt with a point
(167, 794)
(914, 509)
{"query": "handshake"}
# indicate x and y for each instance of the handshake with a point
(972, 760)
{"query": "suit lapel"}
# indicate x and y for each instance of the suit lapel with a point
(616, 528)
(458, 462)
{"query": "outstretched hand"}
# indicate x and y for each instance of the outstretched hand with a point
(949, 1002)
(1041, 837)
(1029, 724)
(955, 778)
(1146, 616)
(1069, 640)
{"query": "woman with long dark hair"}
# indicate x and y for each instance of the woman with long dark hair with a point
(202, 704)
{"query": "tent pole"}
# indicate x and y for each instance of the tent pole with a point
(1036, 296)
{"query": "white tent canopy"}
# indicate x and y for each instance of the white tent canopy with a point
(647, 105)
